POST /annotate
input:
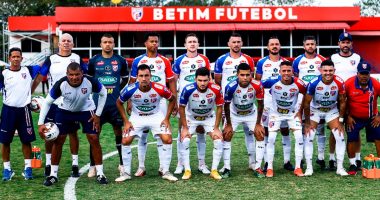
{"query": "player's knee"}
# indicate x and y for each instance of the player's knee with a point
(227, 137)
(259, 137)
(166, 139)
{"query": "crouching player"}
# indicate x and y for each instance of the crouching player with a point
(77, 106)
(240, 108)
(145, 97)
(201, 98)
(320, 102)
(285, 90)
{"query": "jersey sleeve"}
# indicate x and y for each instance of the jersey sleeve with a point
(83, 65)
(168, 68)
(127, 92)
(177, 65)
(301, 85)
(340, 84)
(250, 62)
(269, 82)
(258, 88)
(230, 90)
(185, 95)
(1, 79)
(34, 70)
(218, 93)
(56, 91)
(96, 85)
(296, 63)
(91, 67)
(45, 67)
(124, 67)
(134, 66)
(207, 61)
(162, 90)
(219, 64)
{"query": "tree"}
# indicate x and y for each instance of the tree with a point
(369, 7)
(199, 3)
(283, 2)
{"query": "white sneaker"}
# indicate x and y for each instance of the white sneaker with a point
(160, 171)
(123, 178)
(341, 172)
(251, 166)
(204, 169)
(179, 169)
(140, 172)
(169, 176)
(309, 172)
(222, 170)
(121, 169)
(91, 172)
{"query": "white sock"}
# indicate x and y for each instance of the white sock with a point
(186, 153)
(250, 144)
(126, 155)
(357, 156)
(265, 149)
(352, 161)
(7, 165)
(28, 163)
(217, 153)
(141, 149)
(99, 170)
(287, 148)
(321, 141)
(179, 145)
(48, 159)
(298, 150)
(75, 159)
(332, 156)
(260, 146)
(309, 148)
(201, 148)
(340, 148)
(160, 151)
(166, 157)
(54, 170)
(271, 148)
(227, 154)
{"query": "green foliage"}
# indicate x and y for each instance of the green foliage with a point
(282, 2)
(369, 7)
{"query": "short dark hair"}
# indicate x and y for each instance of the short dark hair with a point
(74, 66)
(287, 63)
(273, 37)
(191, 35)
(327, 63)
(14, 49)
(107, 35)
(309, 37)
(243, 66)
(203, 71)
(143, 67)
(151, 34)
(235, 34)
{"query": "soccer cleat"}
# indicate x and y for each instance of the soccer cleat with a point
(222, 169)
(269, 173)
(321, 164)
(179, 169)
(170, 177)
(298, 172)
(309, 172)
(341, 172)
(123, 177)
(288, 166)
(215, 174)
(204, 169)
(121, 169)
(186, 175)
(140, 172)
(91, 172)
(47, 170)
(8, 174)
(358, 165)
(226, 173)
(258, 173)
(302, 163)
(251, 166)
(332, 165)
(101, 179)
(27, 174)
(75, 171)
(352, 170)
(50, 180)
(265, 168)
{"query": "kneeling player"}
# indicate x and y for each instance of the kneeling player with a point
(240, 108)
(201, 98)
(145, 97)
(323, 92)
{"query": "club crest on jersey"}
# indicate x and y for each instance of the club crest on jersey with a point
(352, 62)
(23, 75)
(84, 90)
(29, 130)
(137, 13)
(271, 124)
(100, 63)
(115, 68)
(209, 101)
(153, 100)
(333, 93)
(72, 60)
(250, 95)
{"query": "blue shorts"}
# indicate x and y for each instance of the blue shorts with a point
(111, 115)
(19, 119)
(372, 133)
(68, 122)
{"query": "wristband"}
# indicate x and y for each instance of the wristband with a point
(341, 119)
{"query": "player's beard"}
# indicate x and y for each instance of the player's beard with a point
(274, 52)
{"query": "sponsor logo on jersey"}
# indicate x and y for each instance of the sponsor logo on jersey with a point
(243, 61)
(137, 96)
(209, 95)
(318, 62)
(143, 61)
(277, 87)
(238, 91)
(107, 68)
(137, 13)
(84, 90)
(114, 62)
(107, 80)
(334, 88)
(293, 90)
(199, 61)
(146, 108)
(228, 62)
(231, 78)
(284, 103)
(155, 78)
(308, 78)
(327, 103)
(303, 62)
(243, 112)
(196, 95)
(244, 107)
(250, 90)
(268, 65)
(184, 62)
(152, 95)
(311, 66)
(100, 63)
(190, 78)
(202, 111)
(319, 88)
(115, 68)
(158, 61)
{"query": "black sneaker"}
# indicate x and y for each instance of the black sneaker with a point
(321, 164)
(226, 173)
(332, 165)
(101, 179)
(47, 170)
(358, 165)
(75, 171)
(50, 180)
(352, 170)
(288, 166)
(265, 167)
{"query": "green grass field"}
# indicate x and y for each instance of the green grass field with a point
(242, 185)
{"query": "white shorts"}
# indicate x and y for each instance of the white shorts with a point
(150, 122)
(265, 119)
(317, 114)
(163, 106)
(275, 121)
(249, 121)
(207, 123)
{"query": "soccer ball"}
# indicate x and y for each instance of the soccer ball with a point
(36, 103)
(52, 132)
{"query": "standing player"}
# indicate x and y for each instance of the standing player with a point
(184, 67)
(226, 71)
(111, 70)
(306, 67)
(284, 90)
(145, 97)
(240, 108)
(55, 66)
(321, 102)
(77, 106)
(267, 67)
(199, 100)
(15, 112)
(161, 73)
(345, 62)
(362, 111)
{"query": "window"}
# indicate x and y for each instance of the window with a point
(28, 45)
